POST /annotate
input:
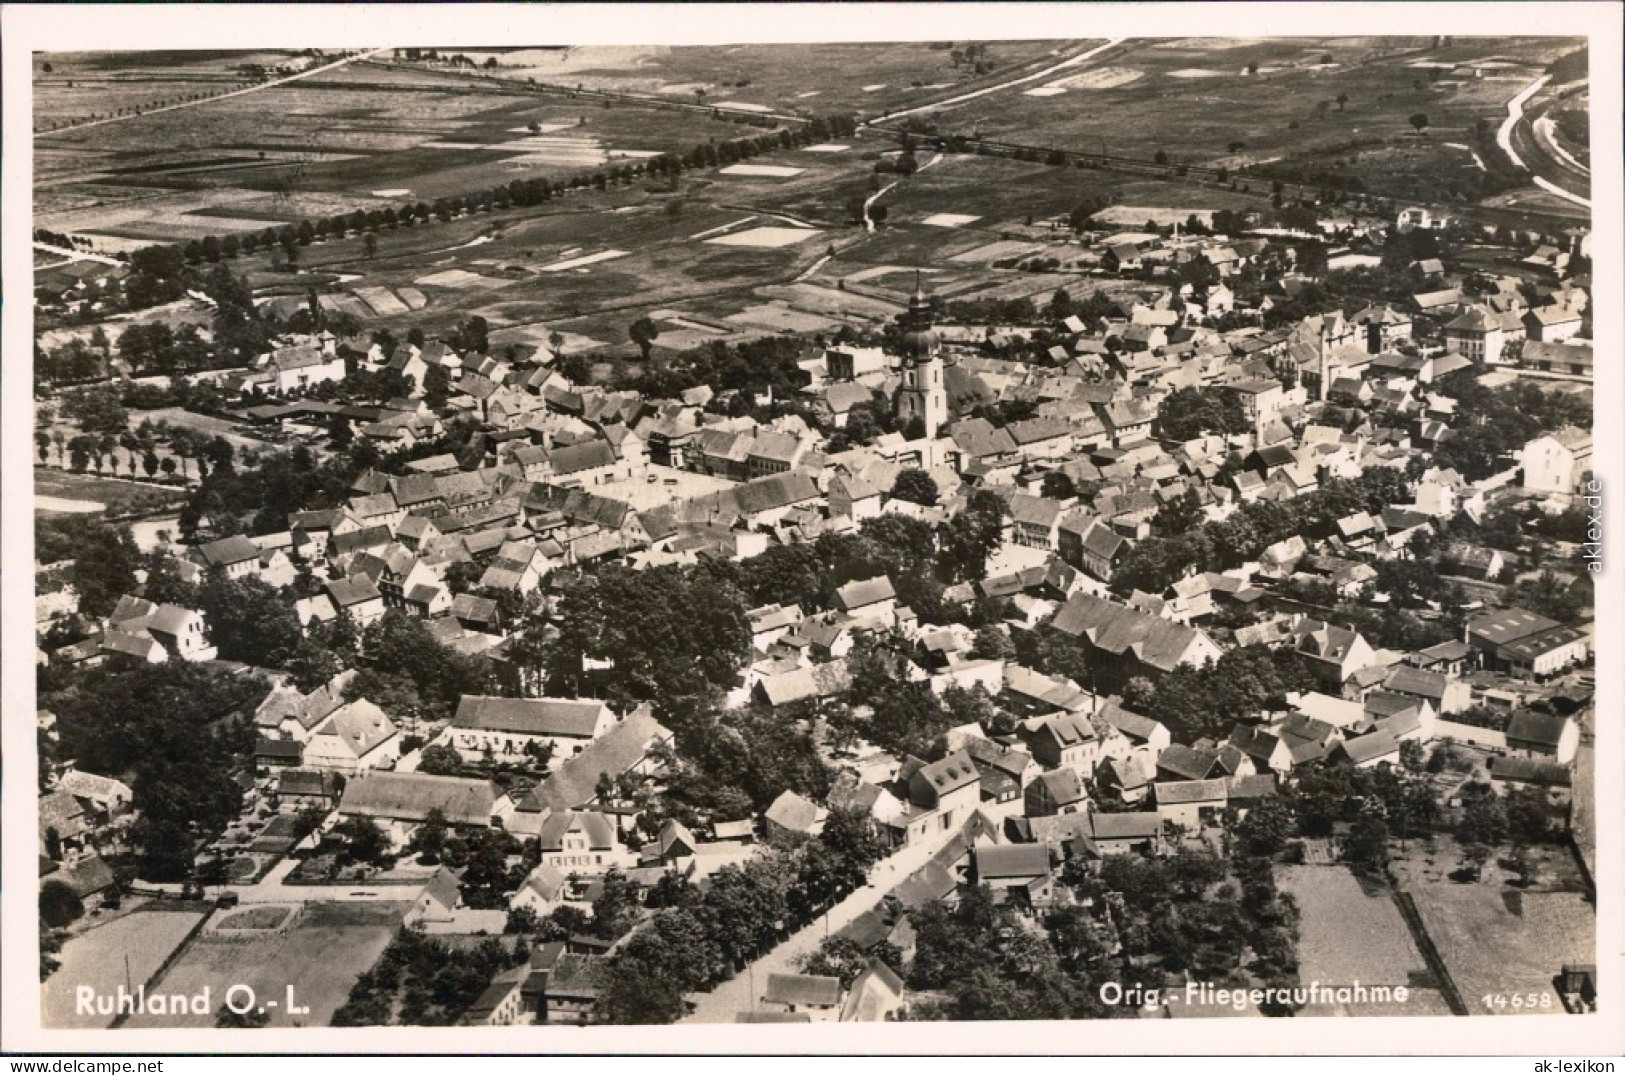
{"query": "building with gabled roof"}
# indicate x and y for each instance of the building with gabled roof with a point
(402, 801)
(357, 736)
(794, 815)
(1127, 642)
(516, 726)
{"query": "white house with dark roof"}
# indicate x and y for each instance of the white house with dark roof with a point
(584, 842)
(868, 599)
(357, 736)
(507, 727)
(357, 596)
(1556, 462)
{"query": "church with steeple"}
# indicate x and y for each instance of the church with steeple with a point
(922, 394)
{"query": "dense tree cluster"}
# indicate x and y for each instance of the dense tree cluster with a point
(703, 937)
(420, 981)
(1155, 563)
(177, 732)
(1188, 413)
(672, 634)
(104, 558)
(1202, 702)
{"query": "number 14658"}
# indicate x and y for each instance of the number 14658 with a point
(1517, 1001)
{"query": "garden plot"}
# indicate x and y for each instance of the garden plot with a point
(766, 238)
(382, 300)
(583, 262)
(770, 171)
(949, 220)
(346, 304)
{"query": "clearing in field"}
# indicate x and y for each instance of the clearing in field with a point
(1196, 72)
(949, 220)
(777, 318)
(54, 505)
(743, 107)
(590, 259)
(825, 147)
(319, 959)
(458, 278)
(65, 491)
(774, 171)
(1348, 935)
(98, 958)
(770, 238)
(394, 192)
(1005, 248)
(1106, 78)
(720, 228)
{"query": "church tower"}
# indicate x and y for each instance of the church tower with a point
(922, 394)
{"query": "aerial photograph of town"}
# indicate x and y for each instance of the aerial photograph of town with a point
(929, 531)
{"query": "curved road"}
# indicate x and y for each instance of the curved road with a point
(1519, 139)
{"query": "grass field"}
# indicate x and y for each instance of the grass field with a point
(97, 959)
(319, 958)
(119, 497)
(1349, 935)
(1498, 939)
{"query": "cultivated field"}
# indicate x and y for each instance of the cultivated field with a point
(320, 957)
(98, 958)
(809, 78)
(1195, 101)
(1349, 935)
(360, 137)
